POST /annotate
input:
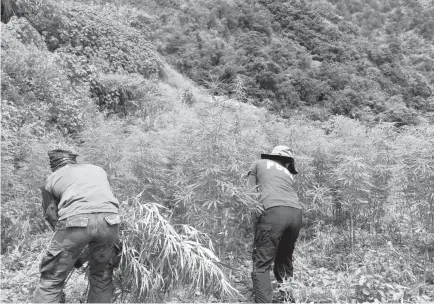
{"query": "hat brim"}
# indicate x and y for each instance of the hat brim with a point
(276, 157)
(283, 159)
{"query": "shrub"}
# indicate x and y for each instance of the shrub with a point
(126, 95)
(36, 91)
(93, 32)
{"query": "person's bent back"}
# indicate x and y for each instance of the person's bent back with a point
(81, 188)
(81, 208)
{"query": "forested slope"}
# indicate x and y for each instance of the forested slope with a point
(97, 78)
(371, 60)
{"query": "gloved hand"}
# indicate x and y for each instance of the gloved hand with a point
(82, 259)
(79, 263)
(116, 259)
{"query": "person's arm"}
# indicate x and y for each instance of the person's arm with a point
(253, 186)
(252, 181)
(49, 207)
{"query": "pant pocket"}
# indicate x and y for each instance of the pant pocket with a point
(77, 221)
(47, 267)
(262, 230)
(113, 219)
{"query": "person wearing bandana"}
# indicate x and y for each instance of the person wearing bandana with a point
(83, 212)
(277, 228)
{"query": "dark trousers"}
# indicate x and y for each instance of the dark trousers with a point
(99, 231)
(275, 235)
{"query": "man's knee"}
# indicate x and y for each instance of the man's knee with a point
(263, 258)
(48, 291)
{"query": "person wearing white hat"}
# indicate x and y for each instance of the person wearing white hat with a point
(277, 228)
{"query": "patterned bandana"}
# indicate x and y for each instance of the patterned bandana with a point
(60, 158)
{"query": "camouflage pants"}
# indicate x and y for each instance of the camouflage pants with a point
(99, 231)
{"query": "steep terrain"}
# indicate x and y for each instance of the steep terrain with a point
(371, 60)
(104, 80)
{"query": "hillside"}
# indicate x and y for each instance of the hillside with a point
(370, 60)
(176, 99)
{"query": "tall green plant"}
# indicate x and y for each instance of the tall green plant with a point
(353, 176)
(158, 257)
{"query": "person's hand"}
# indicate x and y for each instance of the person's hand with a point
(257, 213)
(79, 263)
(260, 210)
(82, 259)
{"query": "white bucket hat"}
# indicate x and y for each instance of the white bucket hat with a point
(283, 154)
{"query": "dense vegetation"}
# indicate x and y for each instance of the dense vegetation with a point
(347, 84)
(371, 60)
